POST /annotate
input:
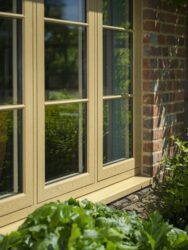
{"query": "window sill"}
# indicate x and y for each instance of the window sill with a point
(118, 190)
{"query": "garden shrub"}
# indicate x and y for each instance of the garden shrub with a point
(87, 226)
(173, 190)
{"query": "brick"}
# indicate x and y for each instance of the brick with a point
(146, 37)
(151, 26)
(148, 123)
(170, 7)
(181, 52)
(156, 110)
(151, 170)
(162, 98)
(152, 74)
(172, 129)
(175, 107)
(152, 158)
(149, 99)
(147, 63)
(169, 17)
(167, 28)
(147, 160)
(156, 168)
(164, 119)
(151, 110)
(180, 74)
(163, 85)
(153, 134)
(170, 51)
(161, 39)
(161, 74)
(175, 40)
(153, 146)
(182, 20)
(180, 30)
(175, 63)
(150, 14)
(152, 4)
(153, 38)
(161, 133)
(152, 51)
(151, 86)
(147, 170)
(164, 64)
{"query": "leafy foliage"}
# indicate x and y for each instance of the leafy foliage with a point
(173, 190)
(62, 138)
(86, 226)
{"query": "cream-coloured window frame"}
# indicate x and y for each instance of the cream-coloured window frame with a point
(35, 190)
(63, 186)
(131, 164)
(96, 171)
(24, 199)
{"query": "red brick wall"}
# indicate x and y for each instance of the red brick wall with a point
(164, 60)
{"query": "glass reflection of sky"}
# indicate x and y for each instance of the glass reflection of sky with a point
(73, 10)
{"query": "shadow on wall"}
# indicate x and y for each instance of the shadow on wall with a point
(164, 74)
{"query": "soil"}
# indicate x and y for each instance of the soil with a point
(142, 202)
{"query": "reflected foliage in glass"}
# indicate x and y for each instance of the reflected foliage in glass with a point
(73, 10)
(117, 13)
(14, 6)
(65, 62)
(117, 62)
(117, 130)
(10, 152)
(66, 139)
(11, 61)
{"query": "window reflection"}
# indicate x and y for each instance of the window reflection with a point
(117, 130)
(65, 145)
(73, 10)
(11, 61)
(117, 13)
(10, 152)
(117, 62)
(65, 62)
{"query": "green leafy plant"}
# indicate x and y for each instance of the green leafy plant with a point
(173, 190)
(86, 226)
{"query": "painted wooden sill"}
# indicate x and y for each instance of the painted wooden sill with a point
(118, 190)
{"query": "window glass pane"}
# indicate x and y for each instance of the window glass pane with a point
(117, 62)
(11, 61)
(10, 153)
(66, 139)
(117, 13)
(65, 62)
(117, 130)
(73, 10)
(14, 6)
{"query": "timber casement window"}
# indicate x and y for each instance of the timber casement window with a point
(66, 98)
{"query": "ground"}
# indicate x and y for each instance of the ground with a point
(141, 201)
